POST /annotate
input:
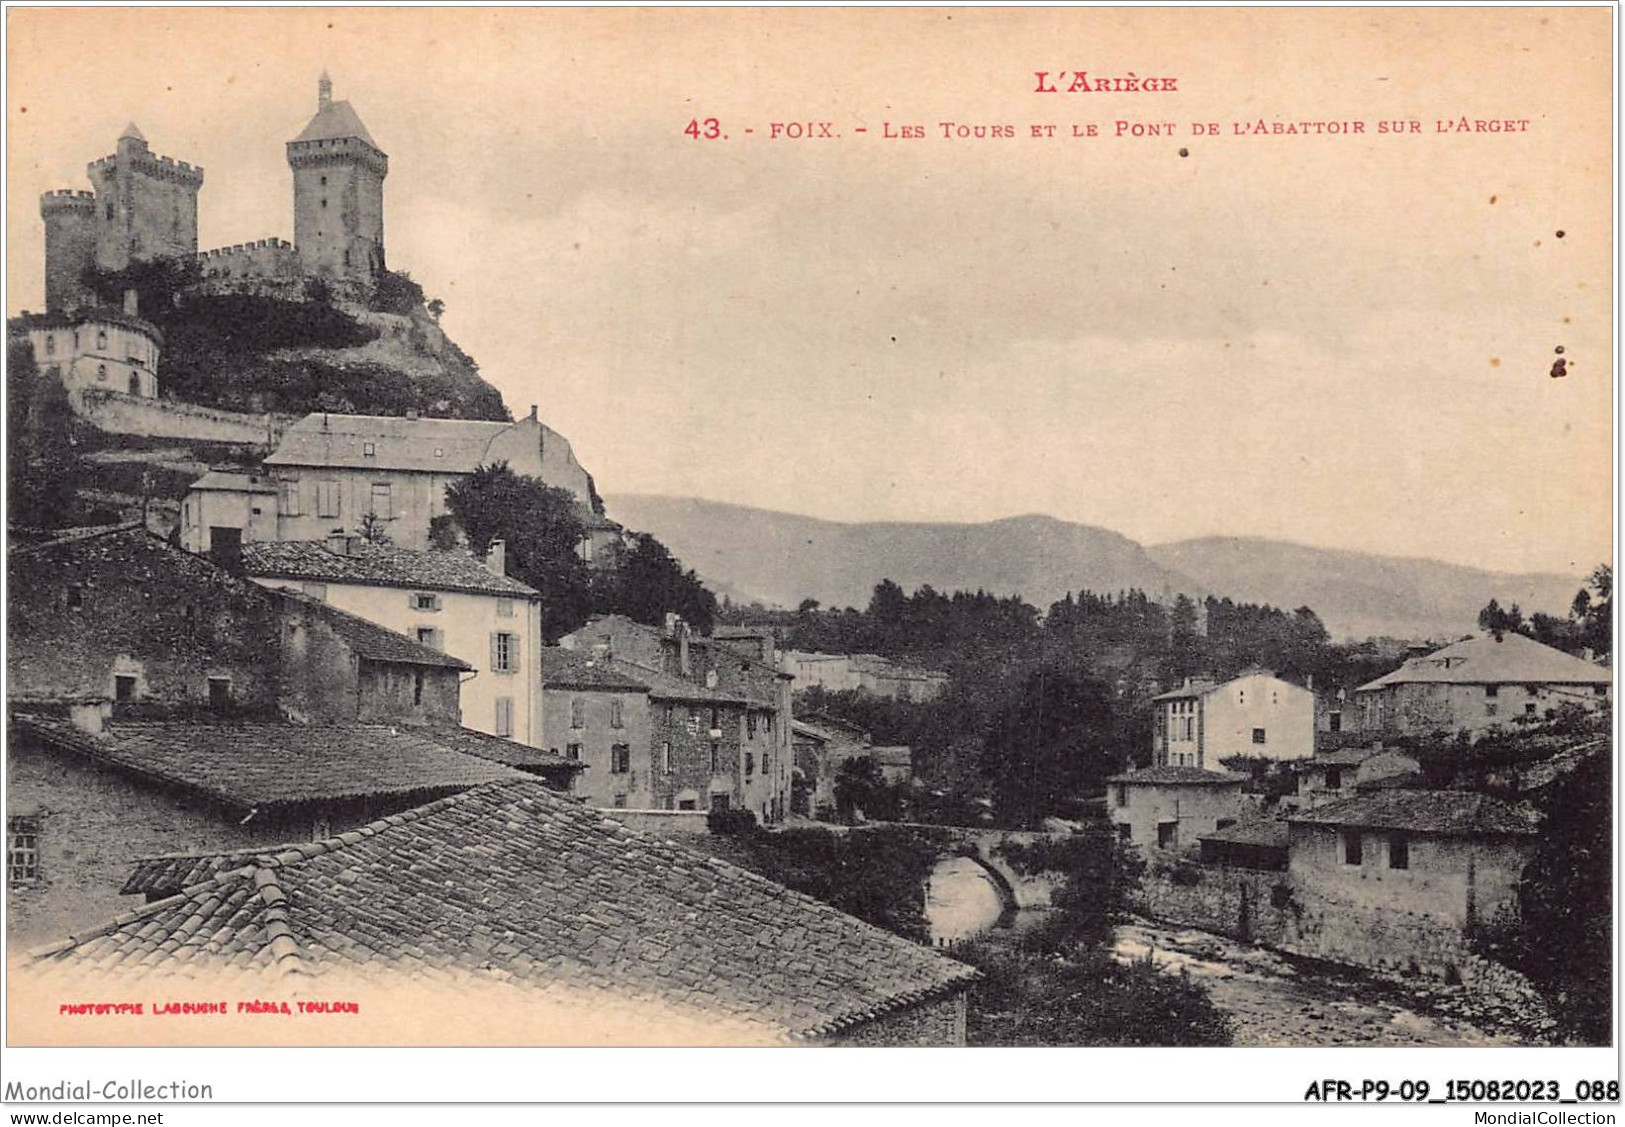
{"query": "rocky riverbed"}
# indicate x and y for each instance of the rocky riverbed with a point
(1277, 1000)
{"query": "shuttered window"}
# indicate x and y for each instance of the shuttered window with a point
(504, 652)
(504, 718)
(578, 712)
(327, 499)
(290, 497)
(382, 506)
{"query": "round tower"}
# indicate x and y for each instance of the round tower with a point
(338, 192)
(70, 247)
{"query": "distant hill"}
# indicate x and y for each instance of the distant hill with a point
(1359, 594)
(781, 558)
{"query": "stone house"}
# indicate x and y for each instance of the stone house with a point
(242, 507)
(1478, 684)
(81, 806)
(445, 600)
(120, 621)
(1169, 808)
(718, 715)
(547, 904)
(820, 745)
(1338, 774)
(867, 673)
(332, 471)
(1391, 861)
(1257, 715)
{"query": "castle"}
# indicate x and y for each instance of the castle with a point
(144, 208)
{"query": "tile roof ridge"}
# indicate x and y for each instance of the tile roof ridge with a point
(123, 919)
(68, 537)
(280, 941)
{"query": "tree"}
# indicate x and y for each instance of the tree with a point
(43, 468)
(650, 583)
(1496, 620)
(1593, 611)
(374, 529)
(1052, 744)
(860, 785)
(542, 530)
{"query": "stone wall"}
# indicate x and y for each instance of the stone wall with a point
(663, 823)
(939, 1024)
(1236, 902)
(118, 413)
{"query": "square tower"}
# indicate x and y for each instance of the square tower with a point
(146, 205)
(338, 193)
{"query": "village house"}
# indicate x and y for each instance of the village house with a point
(551, 903)
(1388, 872)
(821, 744)
(1338, 774)
(1257, 715)
(1170, 807)
(331, 472)
(868, 673)
(1478, 684)
(716, 714)
(445, 600)
(80, 806)
(224, 509)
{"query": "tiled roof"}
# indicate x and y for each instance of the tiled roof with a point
(1453, 812)
(450, 446)
(573, 669)
(1488, 660)
(1180, 776)
(224, 481)
(510, 753)
(1342, 757)
(379, 566)
(335, 121)
(1188, 692)
(1272, 833)
(265, 766)
(513, 883)
(374, 642)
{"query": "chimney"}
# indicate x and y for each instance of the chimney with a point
(338, 544)
(130, 301)
(496, 558)
(412, 414)
(672, 619)
(533, 412)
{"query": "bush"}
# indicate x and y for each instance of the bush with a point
(1185, 875)
(731, 822)
(396, 292)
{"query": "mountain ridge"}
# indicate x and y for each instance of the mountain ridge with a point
(782, 558)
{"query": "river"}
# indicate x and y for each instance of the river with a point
(1270, 1000)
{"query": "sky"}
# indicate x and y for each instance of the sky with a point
(1341, 340)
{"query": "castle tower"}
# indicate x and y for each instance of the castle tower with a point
(146, 205)
(70, 247)
(338, 192)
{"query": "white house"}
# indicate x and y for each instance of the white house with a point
(1201, 724)
(448, 600)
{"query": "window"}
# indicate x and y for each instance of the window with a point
(693, 721)
(504, 717)
(617, 713)
(369, 449)
(719, 803)
(1241, 696)
(716, 758)
(1122, 794)
(1258, 735)
(290, 497)
(1167, 835)
(324, 181)
(572, 752)
(430, 636)
(504, 652)
(665, 757)
(381, 502)
(50, 344)
(124, 687)
(439, 451)
(1352, 853)
(1334, 721)
(504, 608)
(687, 804)
(324, 203)
(101, 372)
(101, 338)
(219, 692)
(620, 759)
(716, 719)
(1334, 778)
(22, 849)
(1492, 690)
(1399, 852)
(1125, 832)
(425, 600)
(578, 712)
(1529, 709)
(750, 725)
(766, 764)
(327, 498)
(750, 765)
(417, 686)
